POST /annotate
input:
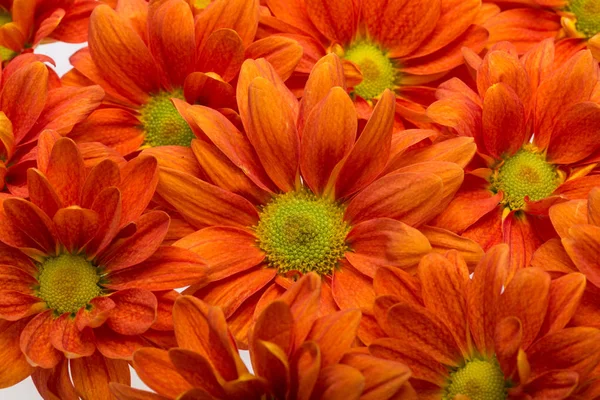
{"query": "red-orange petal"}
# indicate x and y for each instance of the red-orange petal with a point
(15, 367)
(91, 375)
(35, 341)
(223, 54)
(134, 312)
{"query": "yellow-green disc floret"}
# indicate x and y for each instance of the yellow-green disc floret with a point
(379, 72)
(478, 380)
(526, 173)
(299, 231)
(162, 123)
(588, 16)
(68, 282)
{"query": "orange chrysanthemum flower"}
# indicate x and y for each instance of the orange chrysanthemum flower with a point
(577, 249)
(295, 355)
(575, 22)
(396, 45)
(31, 100)
(287, 198)
(82, 272)
(144, 55)
(26, 23)
(483, 338)
(537, 136)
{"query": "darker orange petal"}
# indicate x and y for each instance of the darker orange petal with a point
(283, 53)
(463, 115)
(553, 385)
(303, 297)
(398, 284)
(339, 382)
(91, 375)
(351, 289)
(371, 151)
(522, 237)
(33, 222)
(575, 136)
(305, 367)
(41, 192)
(336, 20)
(227, 250)
(95, 314)
(134, 312)
(65, 336)
(328, 137)
(14, 278)
(565, 215)
(116, 346)
(504, 119)
(48, 25)
(164, 312)
(294, 13)
(123, 392)
(507, 342)
(552, 257)
(76, 227)
(104, 174)
(108, 207)
(223, 54)
(583, 246)
(197, 371)
(66, 171)
(139, 178)
(54, 383)
(275, 325)
(538, 61)
(171, 39)
(334, 334)
(272, 131)
(35, 341)
(167, 268)
(122, 57)
(204, 204)
(239, 15)
(503, 66)
(578, 188)
(157, 371)
(29, 84)
(564, 297)
(14, 367)
(151, 229)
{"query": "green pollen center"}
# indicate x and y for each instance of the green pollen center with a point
(524, 174)
(162, 123)
(68, 282)
(588, 16)
(379, 72)
(299, 231)
(478, 380)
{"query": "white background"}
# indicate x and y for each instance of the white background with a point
(25, 390)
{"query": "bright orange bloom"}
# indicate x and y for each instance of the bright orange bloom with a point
(31, 101)
(295, 355)
(577, 249)
(484, 338)
(300, 192)
(82, 273)
(143, 55)
(397, 45)
(575, 23)
(536, 129)
(26, 23)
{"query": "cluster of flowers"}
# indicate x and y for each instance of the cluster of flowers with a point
(379, 199)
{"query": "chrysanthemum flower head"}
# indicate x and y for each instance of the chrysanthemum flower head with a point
(146, 54)
(299, 192)
(536, 129)
(83, 271)
(395, 45)
(482, 338)
(31, 101)
(295, 355)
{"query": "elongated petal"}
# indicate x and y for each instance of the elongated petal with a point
(398, 284)
(197, 371)
(139, 178)
(33, 222)
(239, 15)
(564, 297)
(76, 227)
(223, 53)
(337, 20)
(134, 312)
(352, 289)
(41, 192)
(305, 367)
(582, 246)
(123, 392)
(15, 367)
(66, 171)
(303, 298)
(275, 324)
(157, 371)
(335, 333)
(91, 375)
(35, 341)
(283, 53)
(66, 337)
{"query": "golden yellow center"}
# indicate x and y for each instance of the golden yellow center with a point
(162, 123)
(378, 70)
(588, 16)
(477, 380)
(68, 282)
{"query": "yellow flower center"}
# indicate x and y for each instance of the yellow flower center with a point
(378, 71)
(299, 231)
(68, 282)
(5, 53)
(201, 4)
(162, 123)
(477, 380)
(527, 173)
(588, 16)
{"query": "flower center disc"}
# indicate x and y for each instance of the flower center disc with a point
(478, 380)
(525, 174)
(377, 69)
(299, 231)
(68, 282)
(588, 16)
(6, 54)
(163, 124)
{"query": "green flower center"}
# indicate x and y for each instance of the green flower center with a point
(299, 231)
(5, 16)
(201, 3)
(68, 282)
(379, 72)
(162, 123)
(526, 173)
(588, 16)
(478, 380)
(6, 54)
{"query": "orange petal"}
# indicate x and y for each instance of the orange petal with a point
(223, 53)
(339, 382)
(275, 325)
(33, 222)
(328, 137)
(66, 171)
(239, 15)
(14, 278)
(507, 342)
(157, 371)
(15, 367)
(407, 197)
(54, 383)
(171, 39)
(334, 334)
(108, 207)
(583, 246)
(95, 313)
(464, 116)
(553, 385)
(351, 289)
(504, 130)
(552, 257)
(168, 268)
(578, 188)
(294, 13)
(116, 346)
(538, 62)
(204, 204)
(123, 392)
(176, 157)
(139, 178)
(385, 242)
(66, 337)
(501, 66)
(522, 237)
(35, 341)
(91, 375)
(76, 227)
(305, 367)
(15, 305)
(283, 53)
(564, 297)
(30, 85)
(272, 132)
(134, 313)
(197, 371)
(337, 20)
(41, 192)
(208, 90)
(151, 230)
(121, 56)
(369, 155)
(303, 297)
(398, 284)
(565, 215)
(574, 136)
